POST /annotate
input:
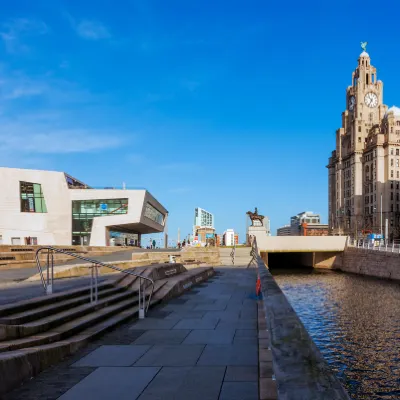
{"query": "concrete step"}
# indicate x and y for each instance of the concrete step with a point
(58, 306)
(52, 321)
(33, 303)
(68, 329)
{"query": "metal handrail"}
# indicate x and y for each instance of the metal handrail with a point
(48, 287)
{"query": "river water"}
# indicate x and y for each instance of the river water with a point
(355, 322)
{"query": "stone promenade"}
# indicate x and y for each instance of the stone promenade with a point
(202, 345)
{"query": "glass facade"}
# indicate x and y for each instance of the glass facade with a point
(32, 199)
(83, 212)
(153, 214)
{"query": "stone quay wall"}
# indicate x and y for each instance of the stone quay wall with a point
(379, 264)
(300, 370)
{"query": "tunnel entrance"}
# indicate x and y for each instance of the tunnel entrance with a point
(290, 260)
(284, 260)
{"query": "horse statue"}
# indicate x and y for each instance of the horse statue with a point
(254, 216)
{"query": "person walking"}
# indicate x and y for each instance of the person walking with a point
(154, 243)
(184, 243)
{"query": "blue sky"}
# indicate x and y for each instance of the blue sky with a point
(221, 105)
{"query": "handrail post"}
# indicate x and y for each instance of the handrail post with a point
(141, 305)
(96, 283)
(50, 259)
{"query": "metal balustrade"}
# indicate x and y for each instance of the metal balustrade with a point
(370, 245)
(94, 276)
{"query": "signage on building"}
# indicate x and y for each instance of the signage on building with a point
(209, 235)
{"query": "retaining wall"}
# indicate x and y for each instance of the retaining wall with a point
(380, 264)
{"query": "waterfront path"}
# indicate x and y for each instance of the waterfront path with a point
(202, 345)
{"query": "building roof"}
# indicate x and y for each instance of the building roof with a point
(364, 54)
(395, 110)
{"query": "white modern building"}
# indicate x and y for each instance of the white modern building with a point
(229, 237)
(53, 208)
(203, 218)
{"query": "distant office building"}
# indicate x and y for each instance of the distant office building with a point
(307, 223)
(284, 231)
(219, 239)
(304, 217)
(203, 218)
(229, 237)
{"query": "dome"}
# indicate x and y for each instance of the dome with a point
(364, 54)
(395, 110)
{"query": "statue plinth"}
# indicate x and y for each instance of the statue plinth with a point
(258, 230)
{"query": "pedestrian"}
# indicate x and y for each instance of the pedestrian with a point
(179, 245)
(154, 243)
(184, 243)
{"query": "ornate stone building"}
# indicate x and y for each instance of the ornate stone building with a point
(364, 169)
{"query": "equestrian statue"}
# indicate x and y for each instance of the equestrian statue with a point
(254, 216)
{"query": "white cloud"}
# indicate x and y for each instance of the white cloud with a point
(49, 125)
(15, 30)
(89, 29)
(46, 140)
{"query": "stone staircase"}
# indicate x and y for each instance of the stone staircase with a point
(242, 256)
(39, 332)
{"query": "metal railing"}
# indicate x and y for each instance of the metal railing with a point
(94, 276)
(233, 253)
(370, 245)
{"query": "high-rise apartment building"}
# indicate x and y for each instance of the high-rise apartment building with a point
(364, 168)
(203, 218)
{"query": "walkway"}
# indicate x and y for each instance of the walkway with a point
(202, 345)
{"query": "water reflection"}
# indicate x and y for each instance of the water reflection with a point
(355, 322)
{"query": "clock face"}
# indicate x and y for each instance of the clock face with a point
(371, 100)
(352, 102)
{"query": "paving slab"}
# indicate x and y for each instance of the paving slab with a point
(239, 391)
(112, 356)
(229, 355)
(246, 333)
(155, 323)
(122, 383)
(206, 336)
(241, 374)
(185, 383)
(245, 340)
(223, 315)
(193, 323)
(171, 356)
(186, 314)
(162, 336)
(239, 324)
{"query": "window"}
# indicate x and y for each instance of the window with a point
(359, 129)
(83, 212)
(391, 173)
(397, 174)
(153, 214)
(359, 140)
(397, 152)
(397, 196)
(391, 207)
(391, 185)
(391, 162)
(397, 162)
(391, 151)
(391, 195)
(32, 199)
